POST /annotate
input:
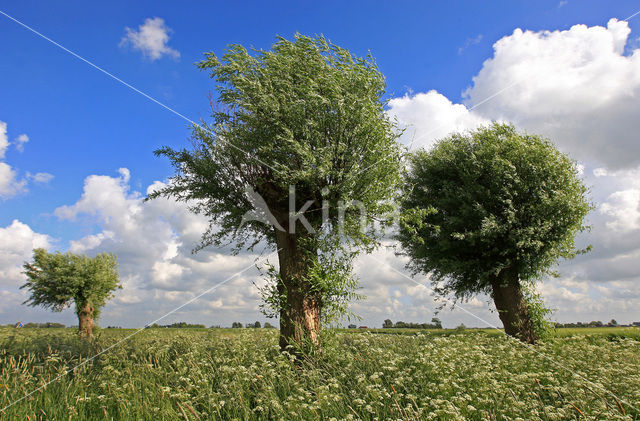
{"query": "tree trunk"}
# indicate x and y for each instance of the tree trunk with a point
(85, 321)
(300, 317)
(513, 308)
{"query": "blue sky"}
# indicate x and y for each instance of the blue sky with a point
(81, 123)
(84, 122)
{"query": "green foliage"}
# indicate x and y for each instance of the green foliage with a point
(330, 274)
(538, 312)
(55, 280)
(306, 113)
(487, 200)
(162, 374)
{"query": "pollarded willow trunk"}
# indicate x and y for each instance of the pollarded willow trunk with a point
(513, 308)
(300, 316)
(85, 320)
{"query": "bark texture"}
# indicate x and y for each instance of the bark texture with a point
(85, 321)
(300, 317)
(513, 308)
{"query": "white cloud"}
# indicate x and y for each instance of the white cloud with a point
(10, 185)
(20, 141)
(151, 39)
(17, 242)
(576, 86)
(153, 241)
(40, 177)
(430, 116)
(624, 207)
(4, 140)
(618, 199)
(469, 42)
(600, 172)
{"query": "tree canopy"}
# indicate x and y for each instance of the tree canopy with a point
(56, 280)
(490, 204)
(306, 113)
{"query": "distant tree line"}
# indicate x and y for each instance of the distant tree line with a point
(435, 324)
(595, 323)
(256, 325)
(39, 325)
(179, 325)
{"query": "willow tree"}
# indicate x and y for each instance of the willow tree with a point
(57, 280)
(300, 132)
(491, 211)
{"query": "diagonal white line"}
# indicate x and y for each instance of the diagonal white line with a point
(149, 97)
(531, 347)
(138, 331)
(632, 16)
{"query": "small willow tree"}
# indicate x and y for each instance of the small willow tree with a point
(57, 280)
(491, 211)
(302, 128)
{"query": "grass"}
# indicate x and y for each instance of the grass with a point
(239, 374)
(611, 332)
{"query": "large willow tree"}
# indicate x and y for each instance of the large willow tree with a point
(307, 116)
(491, 211)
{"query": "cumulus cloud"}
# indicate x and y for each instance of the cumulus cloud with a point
(151, 39)
(17, 242)
(426, 117)
(154, 242)
(576, 86)
(623, 207)
(11, 184)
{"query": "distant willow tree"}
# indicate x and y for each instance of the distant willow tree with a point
(306, 117)
(57, 280)
(491, 211)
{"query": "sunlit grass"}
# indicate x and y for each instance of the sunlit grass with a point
(227, 374)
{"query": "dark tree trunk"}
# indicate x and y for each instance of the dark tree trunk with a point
(513, 308)
(85, 321)
(300, 317)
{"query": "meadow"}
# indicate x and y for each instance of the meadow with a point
(199, 374)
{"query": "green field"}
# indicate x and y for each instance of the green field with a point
(239, 374)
